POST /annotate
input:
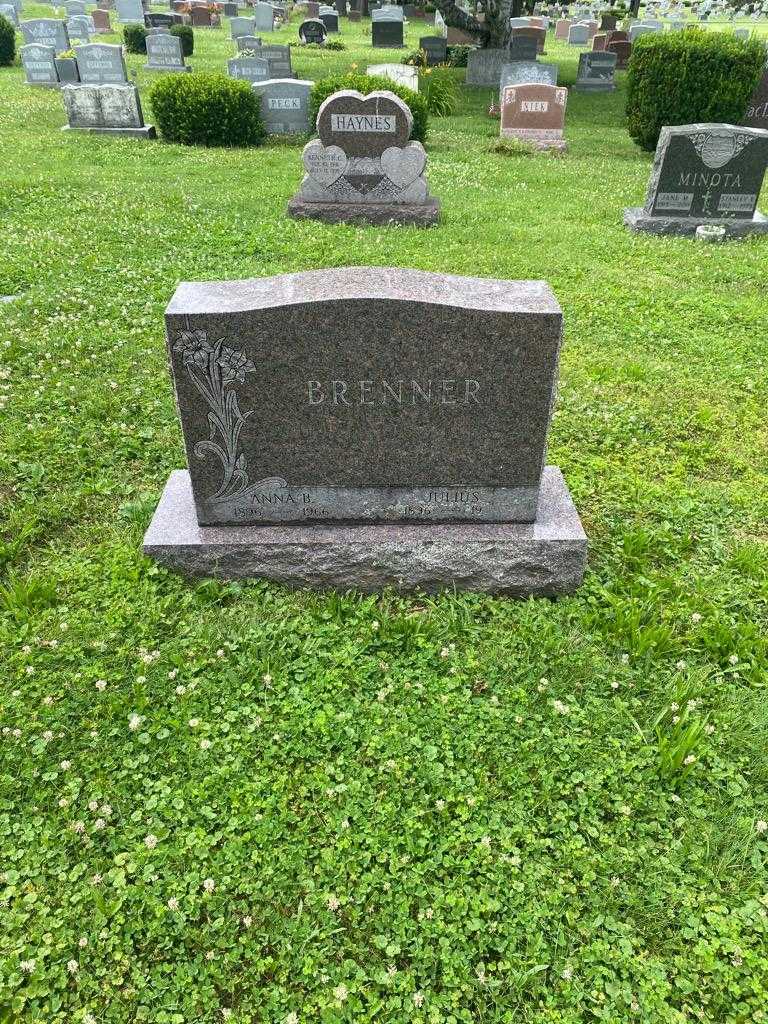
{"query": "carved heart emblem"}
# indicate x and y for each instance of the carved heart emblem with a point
(324, 164)
(402, 166)
(364, 125)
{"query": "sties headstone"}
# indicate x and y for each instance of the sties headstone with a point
(368, 427)
(164, 53)
(704, 174)
(596, 72)
(39, 65)
(363, 168)
(284, 105)
(107, 109)
(535, 114)
(101, 64)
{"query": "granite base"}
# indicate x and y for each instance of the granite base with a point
(542, 559)
(420, 214)
(636, 219)
(593, 87)
(147, 132)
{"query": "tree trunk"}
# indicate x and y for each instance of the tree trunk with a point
(494, 32)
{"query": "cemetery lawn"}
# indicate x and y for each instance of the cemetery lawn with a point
(238, 802)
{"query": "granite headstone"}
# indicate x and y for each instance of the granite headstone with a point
(534, 113)
(284, 105)
(249, 69)
(435, 48)
(39, 65)
(757, 111)
(387, 34)
(110, 109)
(164, 53)
(46, 32)
(101, 64)
(129, 11)
(595, 73)
(313, 31)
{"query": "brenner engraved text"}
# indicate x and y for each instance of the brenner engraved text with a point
(395, 392)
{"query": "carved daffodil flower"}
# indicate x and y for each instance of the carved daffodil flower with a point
(194, 347)
(235, 365)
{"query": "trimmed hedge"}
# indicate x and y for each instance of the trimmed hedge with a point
(135, 38)
(207, 109)
(187, 37)
(688, 77)
(7, 42)
(371, 83)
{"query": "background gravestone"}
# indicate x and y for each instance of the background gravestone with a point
(363, 169)
(596, 71)
(523, 48)
(9, 11)
(526, 73)
(79, 29)
(387, 33)
(435, 48)
(39, 65)
(164, 53)
(538, 35)
(439, 420)
(247, 43)
(101, 21)
(331, 21)
(46, 32)
(534, 113)
(101, 64)
(623, 51)
(312, 31)
(484, 67)
(111, 109)
(242, 27)
(129, 11)
(249, 69)
(578, 35)
(264, 15)
(704, 174)
(401, 74)
(284, 105)
(279, 60)
(757, 111)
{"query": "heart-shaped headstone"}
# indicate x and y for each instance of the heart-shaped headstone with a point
(325, 164)
(402, 166)
(364, 125)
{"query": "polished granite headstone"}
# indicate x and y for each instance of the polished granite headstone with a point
(757, 111)
(39, 65)
(484, 67)
(312, 31)
(101, 64)
(596, 71)
(164, 53)
(387, 34)
(46, 32)
(363, 169)
(242, 27)
(284, 105)
(704, 174)
(623, 50)
(435, 48)
(534, 113)
(249, 69)
(414, 460)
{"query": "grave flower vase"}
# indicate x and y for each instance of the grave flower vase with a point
(66, 68)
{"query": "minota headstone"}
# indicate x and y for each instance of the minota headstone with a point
(101, 64)
(108, 109)
(368, 427)
(704, 174)
(164, 53)
(596, 71)
(535, 114)
(39, 65)
(284, 105)
(363, 168)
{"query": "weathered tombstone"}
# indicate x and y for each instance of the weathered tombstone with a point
(441, 28)
(264, 14)
(101, 21)
(534, 113)
(331, 21)
(363, 169)
(523, 48)
(639, 30)
(608, 22)
(757, 111)
(617, 36)
(561, 29)
(401, 74)
(201, 17)
(538, 35)
(704, 174)
(9, 11)
(313, 31)
(578, 35)
(159, 20)
(435, 49)
(387, 34)
(242, 27)
(484, 67)
(284, 105)
(101, 64)
(229, 10)
(354, 16)
(245, 44)
(46, 32)
(250, 69)
(164, 53)
(74, 7)
(79, 29)
(129, 11)
(519, 23)
(279, 60)
(414, 460)
(109, 109)
(527, 72)
(39, 65)
(623, 52)
(599, 41)
(596, 71)
(313, 10)
(388, 13)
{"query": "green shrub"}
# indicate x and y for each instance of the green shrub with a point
(207, 110)
(187, 37)
(135, 38)
(7, 42)
(372, 83)
(439, 89)
(688, 77)
(458, 55)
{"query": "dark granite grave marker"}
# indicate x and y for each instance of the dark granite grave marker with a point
(596, 71)
(704, 174)
(331, 21)
(313, 31)
(435, 48)
(279, 60)
(414, 459)
(524, 48)
(757, 111)
(387, 34)
(484, 67)
(538, 35)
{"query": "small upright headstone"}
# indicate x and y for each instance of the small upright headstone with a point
(523, 48)
(561, 29)
(704, 174)
(401, 74)
(108, 109)
(387, 34)
(331, 21)
(341, 8)
(201, 17)
(363, 168)
(596, 71)
(79, 29)
(435, 48)
(608, 22)
(313, 9)
(246, 44)
(101, 21)
(578, 35)
(229, 9)
(284, 105)
(440, 26)
(242, 27)
(130, 11)
(279, 59)
(46, 32)
(312, 31)
(164, 53)
(315, 405)
(160, 20)
(74, 7)
(250, 69)
(39, 65)
(538, 35)
(623, 52)
(599, 41)
(484, 67)
(640, 30)
(535, 114)
(101, 64)
(264, 14)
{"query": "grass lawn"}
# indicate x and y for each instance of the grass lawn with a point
(236, 801)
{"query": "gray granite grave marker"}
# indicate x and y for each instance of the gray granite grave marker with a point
(279, 59)
(704, 174)
(284, 105)
(46, 32)
(526, 72)
(596, 71)
(79, 29)
(264, 15)
(245, 43)
(109, 109)
(39, 65)
(578, 35)
(250, 69)
(523, 48)
(101, 64)
(757, 111)
(164, 53)
(129, 11)
(484, 67)
(414, 460)
(242, 27)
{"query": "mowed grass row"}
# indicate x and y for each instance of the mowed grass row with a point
(232, 801)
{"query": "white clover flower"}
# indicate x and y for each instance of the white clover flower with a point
(226, 1013)
(614, 685)
(30, 670)
(173, 903)
(73, 966)
(340, 993)
(266, 679)
(440, 804)
(96, 879)
(82, 942)
(150, 841)
(761, 826)
(567, 974)
(141, 679)
(193, 723)
(173, 673)
(205, 744)
(418, 1000)
(220, 652)
(209, 885)
(681, 665)
(101, 685)
(560, 708)
(63, 802)
(695, 618)
(486, 842)
(180, 690)
(247, 921)
(99, 824)
(134, 722)
(734, 659)
(690, 759)
(93, 805)
(291, 1018)
(106, 811)
(27, 966)
(48, 701)
(210, 955)
(65, 766)
(333, 903)
(78, 827)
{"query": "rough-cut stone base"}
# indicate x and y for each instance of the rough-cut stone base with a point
(421, 214)
(636, 220)
(147, 132)
(557, 145)
(593, 87)
(541, 559)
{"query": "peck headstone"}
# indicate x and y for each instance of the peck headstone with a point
(704, 174)
(414, 460)
(284, 105)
